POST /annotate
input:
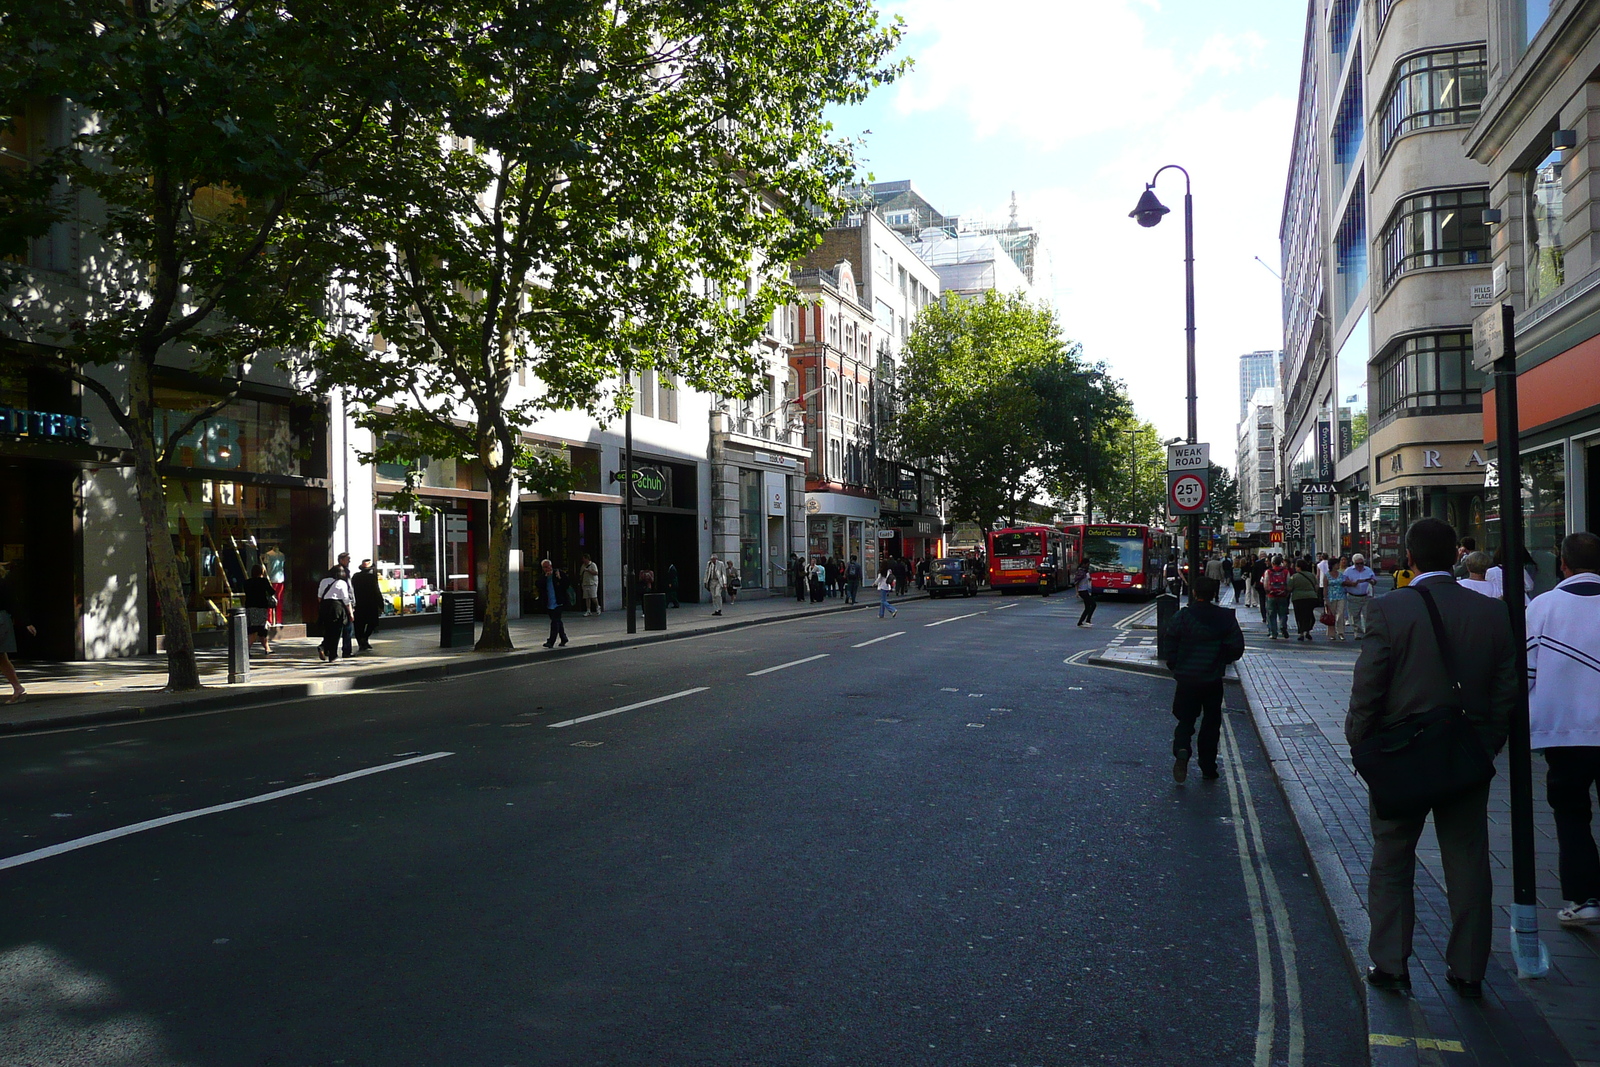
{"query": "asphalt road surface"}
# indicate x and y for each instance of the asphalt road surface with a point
(840, 840)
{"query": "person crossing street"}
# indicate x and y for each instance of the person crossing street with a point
(1202, 640)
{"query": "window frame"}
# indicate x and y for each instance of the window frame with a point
(1409, 214)
(1409, 379)
(1393, 118)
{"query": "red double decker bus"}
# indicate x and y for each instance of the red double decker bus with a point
(1123, 557)
(1031, 558)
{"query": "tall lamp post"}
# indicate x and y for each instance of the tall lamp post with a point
(1148, 213)
(1133, 471)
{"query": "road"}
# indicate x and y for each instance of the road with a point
(838, 840)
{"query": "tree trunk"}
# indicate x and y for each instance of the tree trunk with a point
(496, 635)
(182, 671)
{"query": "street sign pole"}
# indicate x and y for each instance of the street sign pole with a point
(1529, 952)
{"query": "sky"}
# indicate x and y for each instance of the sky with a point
(1073, 105)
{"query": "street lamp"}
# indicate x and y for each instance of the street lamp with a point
(1148, 213)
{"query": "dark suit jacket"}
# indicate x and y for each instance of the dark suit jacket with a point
(1401, 672)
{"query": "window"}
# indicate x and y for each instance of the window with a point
(1534, 15)
(1350, 248)
(903, 279)
(833, 331)
(644, 398)
(1437, 89)
(833, 459)
(1436, 230)
(667, 399)
(1349, 129)
(792, 324)
(1546, 264)
(1341, 27)
(900, 218)
(1430, 371)
(833, 393)
(850, 398)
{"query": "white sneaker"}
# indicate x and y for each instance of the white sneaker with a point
(1585, 914)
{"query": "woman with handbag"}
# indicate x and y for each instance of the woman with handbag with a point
(1333, 611)
(1303, 598)
(259, 600)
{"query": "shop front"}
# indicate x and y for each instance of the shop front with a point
(1442, 480)
(841, 525)
(666, 538)
(44, 450)
(246, 487)
(441, 545)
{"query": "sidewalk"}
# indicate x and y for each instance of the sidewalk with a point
(78, 692)
(1298, 695)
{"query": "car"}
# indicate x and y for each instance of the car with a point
(953, 576)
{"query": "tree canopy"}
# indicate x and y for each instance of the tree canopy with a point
(992, 390)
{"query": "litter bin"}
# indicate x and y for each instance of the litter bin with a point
(1166, 608)
(457, 608)
(655, 611)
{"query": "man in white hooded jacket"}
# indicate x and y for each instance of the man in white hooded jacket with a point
(1564, 716)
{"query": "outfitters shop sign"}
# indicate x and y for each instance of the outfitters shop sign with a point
(15, 422)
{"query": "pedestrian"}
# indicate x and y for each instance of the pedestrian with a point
(1275, 584)
(1303, 598)
(902, 574)
(1258, 576)
(1323, 567)
(1439, 643)
(1496, 573)
(369, 604)
(1083, 582)
(885, 585)
(852, 580)
(336, 612)
(11, 619)
(797, 576)
(1403, 575)
(1174, 577)
(1229, 578)
(716, 580)
(1467, 546)
(259, 600)
(1358, 579)
(1564, 716)
(922, 572)
(733, 582)
(670, 589)
(819, 582)
(1334, 611)
(1477, 565)
(1214, 569)
(830, 570)
(589, 585)
(348, 632)
(550, 586)
(1202, 639)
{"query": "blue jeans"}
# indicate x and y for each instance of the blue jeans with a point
(1278, 616)
(883, 603)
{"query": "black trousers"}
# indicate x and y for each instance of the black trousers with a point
(800, 589)
(850, 587)
(1305, 615)
(1573, 772)
(366, 626)
(1089, 603)
(1202, 701)
(557, 628)
(333, 628)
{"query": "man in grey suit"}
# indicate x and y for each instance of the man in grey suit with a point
(1400, 673)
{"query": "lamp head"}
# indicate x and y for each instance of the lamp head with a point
(1150, 210)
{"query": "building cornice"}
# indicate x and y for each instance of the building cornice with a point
(1553, 51)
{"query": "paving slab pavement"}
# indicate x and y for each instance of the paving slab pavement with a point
(1298, 695)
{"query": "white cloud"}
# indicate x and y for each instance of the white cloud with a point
(1088, 81)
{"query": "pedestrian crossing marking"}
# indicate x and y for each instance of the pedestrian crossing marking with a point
(1436, 1044)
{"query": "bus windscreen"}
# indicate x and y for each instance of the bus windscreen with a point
(1019, 544)
(1114, 555)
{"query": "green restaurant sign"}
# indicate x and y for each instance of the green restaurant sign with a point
(649, 484)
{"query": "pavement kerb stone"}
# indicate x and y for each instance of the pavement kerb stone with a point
(1154, 669)
(1339, 894)
(219, 698)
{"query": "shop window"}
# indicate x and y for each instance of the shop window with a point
(1436, 230)
(585, 469)
(258, 436)
(750, 522)
(221, 531)
(408, 562)
(1435, 89)
(1544, 198)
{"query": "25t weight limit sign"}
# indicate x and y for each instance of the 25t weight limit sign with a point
(1187, 493)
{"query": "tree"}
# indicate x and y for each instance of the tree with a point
(1134, 485)
(1223, 497)
(199, 132)
(590, 199)
(990, 388)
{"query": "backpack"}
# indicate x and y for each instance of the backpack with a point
(1277, 582)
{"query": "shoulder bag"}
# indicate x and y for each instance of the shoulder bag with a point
(1428, 758)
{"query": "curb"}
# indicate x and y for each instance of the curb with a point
(1145, 668)
(220, 698)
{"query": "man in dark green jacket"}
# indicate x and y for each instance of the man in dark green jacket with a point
(1202, 640)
